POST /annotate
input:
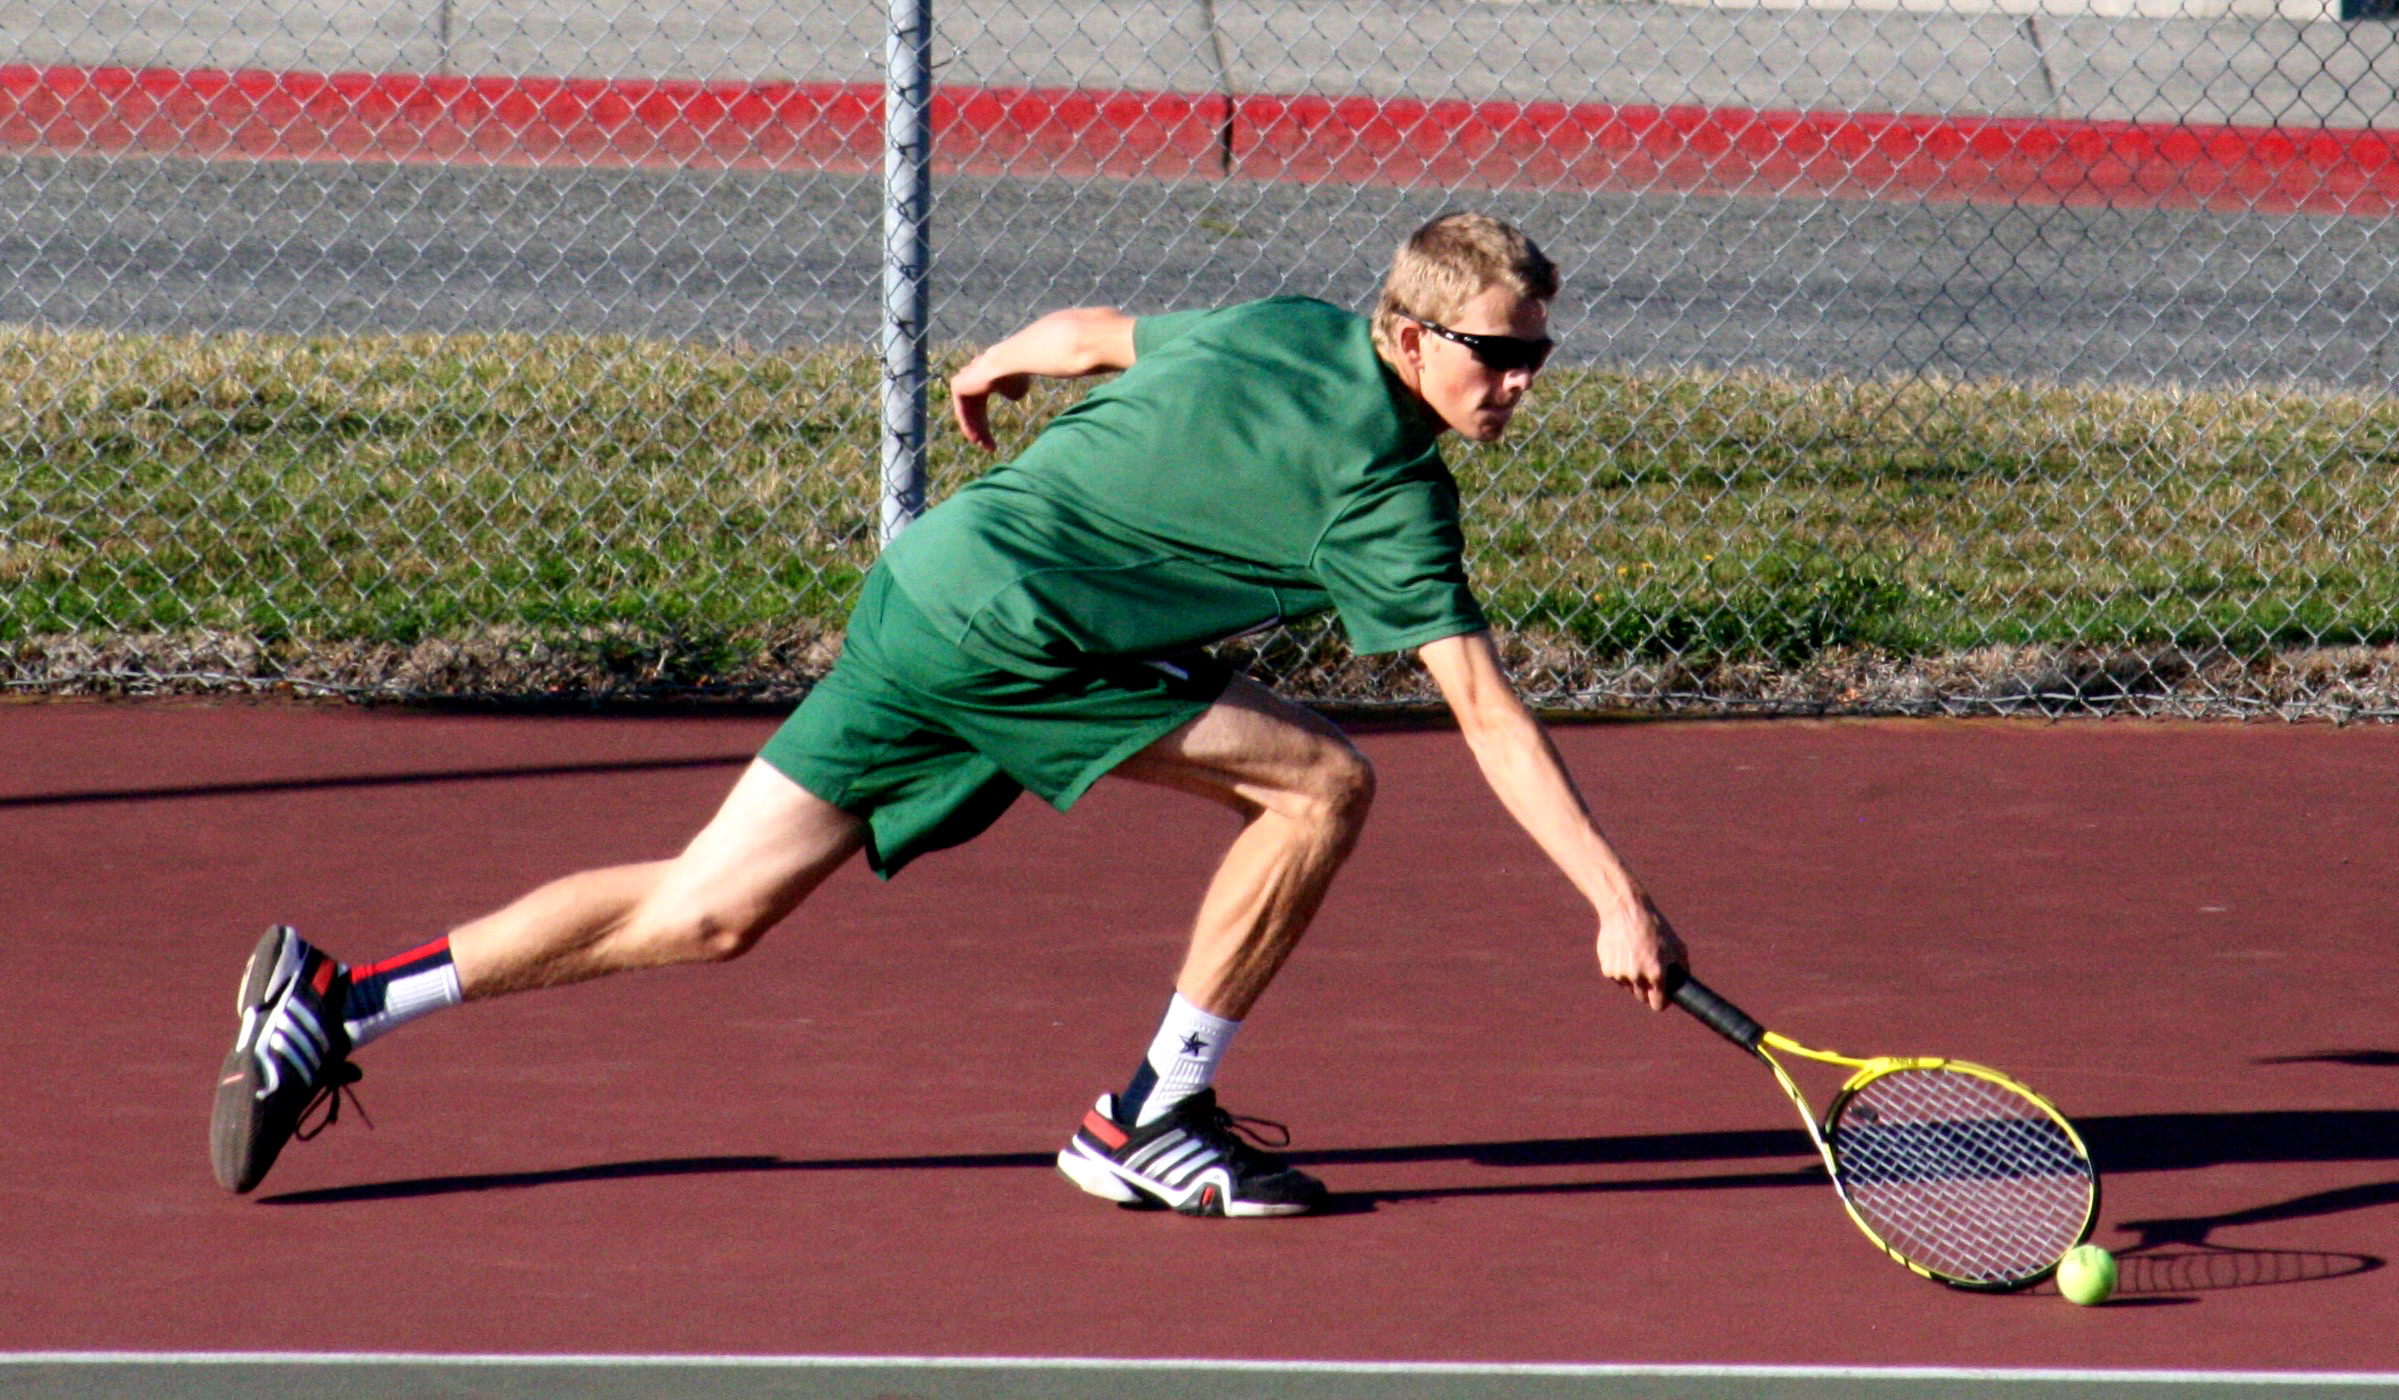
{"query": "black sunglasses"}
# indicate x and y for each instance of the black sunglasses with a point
(1499, 352)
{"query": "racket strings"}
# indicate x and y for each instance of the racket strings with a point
(1961, 1175)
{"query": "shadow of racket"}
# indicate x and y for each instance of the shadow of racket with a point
(2154, 1271)
(2176, 1255)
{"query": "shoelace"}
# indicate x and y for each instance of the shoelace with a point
(1229, 1128)
(330, 1094)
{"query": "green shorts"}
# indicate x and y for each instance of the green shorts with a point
(930, 744)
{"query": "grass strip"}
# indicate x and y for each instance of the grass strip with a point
(692, 513)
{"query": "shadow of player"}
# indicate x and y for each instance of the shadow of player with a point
(2368, 1059)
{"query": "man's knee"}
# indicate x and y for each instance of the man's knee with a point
(743, 873)
(686, 933)
(1340, 792)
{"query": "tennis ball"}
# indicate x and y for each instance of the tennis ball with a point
(2087, 1274)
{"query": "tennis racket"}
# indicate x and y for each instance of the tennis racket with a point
(1953, 1169)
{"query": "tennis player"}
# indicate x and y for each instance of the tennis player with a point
(1041, 629)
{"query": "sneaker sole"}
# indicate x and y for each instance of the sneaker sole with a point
(234, 1121)
(1097, 1179)
(1206, 1199)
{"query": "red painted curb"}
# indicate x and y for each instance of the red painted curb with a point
(211, 114)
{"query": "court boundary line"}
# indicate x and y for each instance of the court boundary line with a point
(1528, 1369)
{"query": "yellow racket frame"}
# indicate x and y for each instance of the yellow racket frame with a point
(1866, 1071)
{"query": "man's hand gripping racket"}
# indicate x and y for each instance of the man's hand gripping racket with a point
(1953, 1169)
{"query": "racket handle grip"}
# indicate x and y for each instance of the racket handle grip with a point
(1713, 1011)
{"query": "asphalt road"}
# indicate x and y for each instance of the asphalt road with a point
(1803, 286)
(2104, 60)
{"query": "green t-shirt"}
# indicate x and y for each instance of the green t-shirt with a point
(1256, 464)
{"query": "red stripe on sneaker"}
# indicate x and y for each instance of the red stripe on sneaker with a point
(1100, 1126)
(438, 948)
(322, 979)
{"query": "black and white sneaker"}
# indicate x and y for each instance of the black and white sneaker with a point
(290, 1055)
(1191, 1160)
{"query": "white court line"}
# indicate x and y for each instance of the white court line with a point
(2033, 1375)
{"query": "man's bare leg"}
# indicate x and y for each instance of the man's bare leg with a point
(1303, 791)
(770, 845)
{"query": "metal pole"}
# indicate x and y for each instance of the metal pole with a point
(1224, 87)
(907, 244)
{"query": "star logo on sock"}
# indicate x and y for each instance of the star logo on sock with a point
(1194, 1045)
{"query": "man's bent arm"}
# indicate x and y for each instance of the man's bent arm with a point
(1636, 945)
(1061, 345)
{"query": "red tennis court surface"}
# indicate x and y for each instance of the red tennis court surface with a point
(841, 1146)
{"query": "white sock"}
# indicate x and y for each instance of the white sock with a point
(1189, 1046)
(387, 995)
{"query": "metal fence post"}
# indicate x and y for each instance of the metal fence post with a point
(907, 243)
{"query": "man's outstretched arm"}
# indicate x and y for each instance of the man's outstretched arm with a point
(1636, 945)
(1061, 345)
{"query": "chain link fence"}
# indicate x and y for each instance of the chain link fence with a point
(1915, 358)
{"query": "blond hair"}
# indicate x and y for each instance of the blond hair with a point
(1451, 261)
